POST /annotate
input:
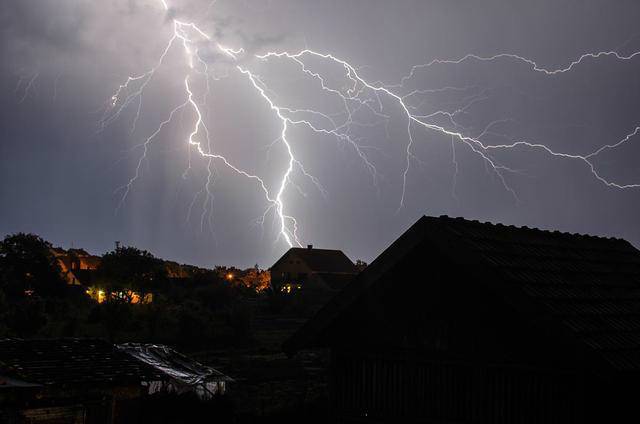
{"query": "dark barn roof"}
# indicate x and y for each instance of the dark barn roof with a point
(322, 260)
(63, 362)
(582, 287)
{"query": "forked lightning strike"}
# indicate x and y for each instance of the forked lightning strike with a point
(356, 96)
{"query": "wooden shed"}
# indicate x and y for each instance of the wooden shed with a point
(70, 381)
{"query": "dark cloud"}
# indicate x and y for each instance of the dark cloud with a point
(58, 173)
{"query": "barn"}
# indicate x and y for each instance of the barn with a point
(466, 322)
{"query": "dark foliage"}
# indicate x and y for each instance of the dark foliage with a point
(201, 310)
(128, 269)
(27, 264)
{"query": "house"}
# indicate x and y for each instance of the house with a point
(312, 269)
(87, 381)
(469, 322)
(76, 265)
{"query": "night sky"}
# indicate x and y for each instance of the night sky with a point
(62, 172)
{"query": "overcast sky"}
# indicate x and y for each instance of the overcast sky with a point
(61, 171)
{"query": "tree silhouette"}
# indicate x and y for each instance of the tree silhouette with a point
(27, 266)
(127, 270)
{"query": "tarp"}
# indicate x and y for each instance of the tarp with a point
(184, 374)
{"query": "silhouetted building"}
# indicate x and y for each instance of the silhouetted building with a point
(70, 381)
(468, 322)
(313, 269)
(92, 381)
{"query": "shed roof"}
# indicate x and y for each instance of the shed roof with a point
(173, 364)
(71, 362)
(586, 286)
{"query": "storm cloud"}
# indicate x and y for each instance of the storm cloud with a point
(60, 171)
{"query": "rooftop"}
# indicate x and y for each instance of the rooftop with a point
(321, 260)
(70, 362)
(587, 287)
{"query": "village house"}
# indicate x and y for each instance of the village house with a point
(76, 265)
(312, 269)
(469, 322)
(78, 268)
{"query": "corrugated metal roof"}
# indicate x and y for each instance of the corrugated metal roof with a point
(71, 361)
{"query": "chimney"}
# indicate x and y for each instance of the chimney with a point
(309, 246)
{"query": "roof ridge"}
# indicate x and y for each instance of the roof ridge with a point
(524, 228)
(316, 249)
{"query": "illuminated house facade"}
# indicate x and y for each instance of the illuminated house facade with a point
(492, 324)
(78, 268)
(312, 269)
(76, 265)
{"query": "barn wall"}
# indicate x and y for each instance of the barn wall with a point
(430, 341)
(384, 387)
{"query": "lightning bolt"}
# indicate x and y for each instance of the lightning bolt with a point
(534, 66)
(28, 87)
(359, 85)
(356, 96)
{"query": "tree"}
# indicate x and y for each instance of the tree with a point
(28, 316)
(115, 318)
(256, 279)
(4, 315)
(127, 270)
(360, 265)
(27, 266)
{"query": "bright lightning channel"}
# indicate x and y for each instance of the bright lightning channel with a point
(359, 94)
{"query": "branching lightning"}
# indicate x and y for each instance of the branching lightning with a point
(534, 66)
(26, 84)
(357, 95)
